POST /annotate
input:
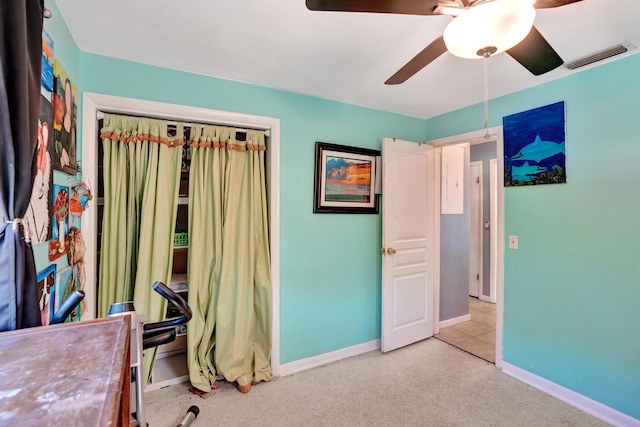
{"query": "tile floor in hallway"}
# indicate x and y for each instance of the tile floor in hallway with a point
(476, 336)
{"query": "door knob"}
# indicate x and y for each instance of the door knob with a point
(391, 251)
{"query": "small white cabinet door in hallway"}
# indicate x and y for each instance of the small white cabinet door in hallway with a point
(408, 236)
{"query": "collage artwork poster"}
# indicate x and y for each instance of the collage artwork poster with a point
(57, 198)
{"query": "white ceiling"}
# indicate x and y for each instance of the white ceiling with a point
(335, 55)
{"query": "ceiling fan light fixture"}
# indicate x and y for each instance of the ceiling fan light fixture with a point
(499, 24)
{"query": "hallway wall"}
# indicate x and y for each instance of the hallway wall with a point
(454, 255)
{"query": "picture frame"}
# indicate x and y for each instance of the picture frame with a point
(535, 146)
(37, 215)
(65, 121)
(59, 221)
(345, 179)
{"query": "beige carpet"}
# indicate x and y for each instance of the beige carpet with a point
(430, 383)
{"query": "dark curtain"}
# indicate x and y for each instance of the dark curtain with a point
(20, 66)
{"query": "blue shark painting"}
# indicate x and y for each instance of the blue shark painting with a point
(534, 146)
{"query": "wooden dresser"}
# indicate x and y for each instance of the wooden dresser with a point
(74, 374)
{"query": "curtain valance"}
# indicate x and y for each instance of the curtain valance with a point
(136, 129)
(210, 136)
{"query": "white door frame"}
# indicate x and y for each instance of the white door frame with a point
(476, 280)
(476, 137)
(93, 102)
(494, 178)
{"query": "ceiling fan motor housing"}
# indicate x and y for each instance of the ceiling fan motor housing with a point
(487, 51)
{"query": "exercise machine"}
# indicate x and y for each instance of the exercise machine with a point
(149, 335)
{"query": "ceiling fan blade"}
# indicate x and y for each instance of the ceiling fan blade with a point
(406, 7)
(546, 4)
(535, 54)
(421, 60)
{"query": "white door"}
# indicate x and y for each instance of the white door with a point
(475, 238)
(408, 248)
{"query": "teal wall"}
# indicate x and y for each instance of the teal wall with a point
(571, 289)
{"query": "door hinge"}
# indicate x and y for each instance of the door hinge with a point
(478, 277)
(477, 180)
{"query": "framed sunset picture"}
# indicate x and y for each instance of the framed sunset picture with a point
(345, 179)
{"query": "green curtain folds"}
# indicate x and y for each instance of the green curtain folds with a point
(141, 170)
(229, 266)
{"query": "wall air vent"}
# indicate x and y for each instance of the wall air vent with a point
(600, 56)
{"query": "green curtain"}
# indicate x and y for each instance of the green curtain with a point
(229, 268)
(141, 170)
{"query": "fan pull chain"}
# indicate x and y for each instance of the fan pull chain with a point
(485, 61)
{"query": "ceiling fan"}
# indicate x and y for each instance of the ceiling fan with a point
(480, 28)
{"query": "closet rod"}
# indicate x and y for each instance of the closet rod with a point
(267, 132)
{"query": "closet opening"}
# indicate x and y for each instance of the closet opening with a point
(92, 226)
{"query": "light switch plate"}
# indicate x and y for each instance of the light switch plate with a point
(513, 242)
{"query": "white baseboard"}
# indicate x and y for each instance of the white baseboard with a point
(326, 358)
(454, 321)
(487, 298)
(585, 404)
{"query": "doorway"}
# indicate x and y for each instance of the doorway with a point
(92, 103)
(489, 268)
